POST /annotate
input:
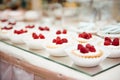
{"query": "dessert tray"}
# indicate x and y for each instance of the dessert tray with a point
(37, 39)
(107, 64)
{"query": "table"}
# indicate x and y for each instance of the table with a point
(37, 68)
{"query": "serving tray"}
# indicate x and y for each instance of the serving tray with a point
(107, 64)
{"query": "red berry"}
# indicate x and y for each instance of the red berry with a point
(85, 35)
(64, 40)
(54, 41)
(25, 31)
(41, 36)
(91, 48)
(107, 43)
(84, 50)
(12, 23)
(89, 35)
(41, 28)
(17, 32)
(115, 42)
(46, 28)
(7, 28)
(107, 39)
(58, 38)
(32, 26)
(64, 31)
(58, 32)
(79, 46)
(35, 36)
(88, 45)
(3, 20)
(59, 41)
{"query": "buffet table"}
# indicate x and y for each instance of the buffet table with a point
(17, 64)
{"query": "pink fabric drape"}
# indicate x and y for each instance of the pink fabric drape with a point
(10, 72)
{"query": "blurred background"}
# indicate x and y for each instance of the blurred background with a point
(61, 11)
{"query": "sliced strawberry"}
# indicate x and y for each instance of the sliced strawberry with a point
(41, 36)
(79, 46)
(115, 42)
(35, 36)
(64, 31)
(58, 32)
(64, 40)
(84, 50)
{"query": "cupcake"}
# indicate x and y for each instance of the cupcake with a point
(16, 36)
(87, 37)
(111, 46)
(56, 46)
(86, 55)
(35, 41)
(5, 31)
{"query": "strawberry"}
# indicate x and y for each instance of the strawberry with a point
(58, 32)
(41, 36)
(79, 46)
(64, 40)
(115, 42)
(84, 50)
(35, 36)
(64, 31)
